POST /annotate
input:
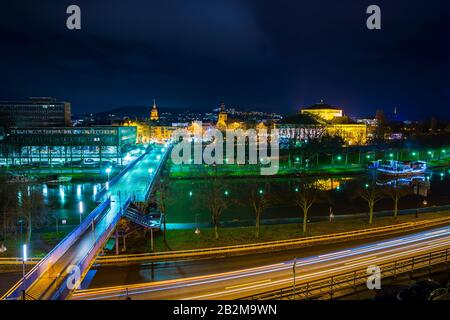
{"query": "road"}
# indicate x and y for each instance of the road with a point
(132, 183)
(245, 282)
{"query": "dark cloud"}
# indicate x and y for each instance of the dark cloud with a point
(272, 55)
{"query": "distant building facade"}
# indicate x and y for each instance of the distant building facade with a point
(36, 112)
(222, 119)
(67, 145)
(320, 119)
(154, 128)
(323, 111)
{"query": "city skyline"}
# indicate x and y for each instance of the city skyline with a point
(255, 55)
(225, 150)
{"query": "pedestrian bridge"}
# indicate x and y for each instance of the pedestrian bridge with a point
(62, 270)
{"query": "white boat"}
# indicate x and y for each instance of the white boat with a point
(398, 168)
(60, 180)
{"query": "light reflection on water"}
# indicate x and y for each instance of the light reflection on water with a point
(186, 199)
(64, 201)
(67, 201)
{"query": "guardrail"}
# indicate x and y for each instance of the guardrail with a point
(266, 246)
(16, 261)
(57, 252)
(255, 247)
(350, 282)
(149, 187)
(114, 180)
(63, 292)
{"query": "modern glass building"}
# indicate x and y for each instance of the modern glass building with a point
(67, 146)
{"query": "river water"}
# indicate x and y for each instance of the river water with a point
(187, 203)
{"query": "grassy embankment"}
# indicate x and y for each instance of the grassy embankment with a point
(186, 239)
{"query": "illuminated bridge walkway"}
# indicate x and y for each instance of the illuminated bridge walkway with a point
(62, 270)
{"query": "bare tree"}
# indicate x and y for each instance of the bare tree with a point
(215, 199)
(371, 193)
(162, 198)
(260, 198)
(396, 192)
(306, 194)
(30, 204)
(8, 207)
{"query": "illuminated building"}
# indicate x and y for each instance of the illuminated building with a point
(73, 146)
(222, 118)
(319, 119)
(154, 113)
(161, 132)
(351, 133)
(323, 111)
(142, 131)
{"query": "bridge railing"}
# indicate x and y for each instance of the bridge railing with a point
(351, 282)
(114, 180)
(57, 252)
(64, 291)
(149, 187)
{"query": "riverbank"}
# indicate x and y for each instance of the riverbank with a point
(238, 171)
(187, 239)
(88, 175)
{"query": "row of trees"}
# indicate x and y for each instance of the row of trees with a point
(260, 196)
(20, 210)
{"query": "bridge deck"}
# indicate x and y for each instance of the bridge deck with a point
(55, 275)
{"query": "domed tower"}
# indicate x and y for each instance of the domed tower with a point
(154, 113)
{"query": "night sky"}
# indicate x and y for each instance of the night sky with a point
(256, 54)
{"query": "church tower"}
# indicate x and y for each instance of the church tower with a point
(154, 113)
(223, 117)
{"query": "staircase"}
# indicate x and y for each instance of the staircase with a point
(150, 221)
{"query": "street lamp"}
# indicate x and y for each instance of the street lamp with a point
(197, 229)
(150, 170)
(81, 209)
(293, 271)
(108, 172)
(24, 259)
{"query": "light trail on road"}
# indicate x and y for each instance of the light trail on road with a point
(240, 283)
